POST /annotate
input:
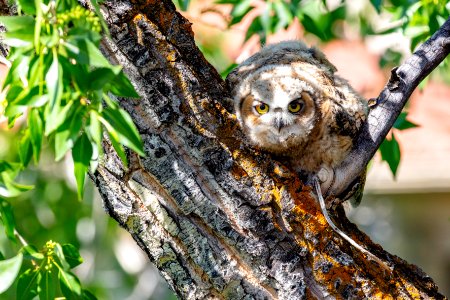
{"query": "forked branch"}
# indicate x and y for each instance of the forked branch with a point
(404, 79)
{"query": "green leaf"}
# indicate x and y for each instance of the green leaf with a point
(36, 129)
(94, 128)
(117, 146)
(70, 285)
(100, 77)
(254, 28)
(8, 172)
(57, 116)
(402, 123)
(72, 255)
(312, 27)
(62, 259)
(284, 14)
(25, 148)
(122, 87)
(81, 154)
(46, 285)
(14, 23)
(390, 152)
(27, 284)
(88, 295)
(95, 4)
(67, 134)
(241, 8)
(20, 30)
(182, 4)
(32, 253)
(227, 71)
(238, 18)
(27, 6)
(86, 52)
(377, 5)
(125, 128)
(53, 80)
(7, 218)
(266, 19)
(9, 269)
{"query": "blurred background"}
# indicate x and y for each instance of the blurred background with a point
(409, 215)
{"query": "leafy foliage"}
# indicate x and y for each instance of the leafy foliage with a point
(58, 89)
(315, 16)
(60, 79)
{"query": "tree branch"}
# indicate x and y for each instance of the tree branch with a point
(390, 103)
(218, 219)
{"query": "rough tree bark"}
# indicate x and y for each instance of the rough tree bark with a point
(221, 220)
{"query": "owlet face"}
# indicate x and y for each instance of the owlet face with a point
(278, 113)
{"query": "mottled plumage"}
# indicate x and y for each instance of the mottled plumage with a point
(290, 102)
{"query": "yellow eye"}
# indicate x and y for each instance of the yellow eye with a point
(261, 108)
(296, 106)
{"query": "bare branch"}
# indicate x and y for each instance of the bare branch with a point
(390, 103)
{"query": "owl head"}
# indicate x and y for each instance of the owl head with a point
(280, 95)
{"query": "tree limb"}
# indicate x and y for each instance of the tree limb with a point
(218, 219)
(389, 104)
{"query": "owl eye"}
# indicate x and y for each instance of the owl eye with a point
(296, 106)
(261, 108)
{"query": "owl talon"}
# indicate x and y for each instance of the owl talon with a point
(326, 178)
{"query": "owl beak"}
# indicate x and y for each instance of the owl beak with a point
(279, 123)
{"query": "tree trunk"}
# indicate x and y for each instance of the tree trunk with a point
(218, 219)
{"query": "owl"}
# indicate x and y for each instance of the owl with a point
(289, 102)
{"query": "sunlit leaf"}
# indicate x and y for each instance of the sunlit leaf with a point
(113, 137)
(62, 259)
(53, 80)
(9, 269)
(70, 285)
(57, 116)
(14, 23)
(31, 252)
(125, 128)
(284, 14)
(18, 30)
(241, 8)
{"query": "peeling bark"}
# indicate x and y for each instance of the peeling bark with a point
(218, 219)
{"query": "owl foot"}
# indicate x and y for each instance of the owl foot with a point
(330, 222)
(326, 178)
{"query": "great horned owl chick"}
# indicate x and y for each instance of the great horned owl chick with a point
(289, 102)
